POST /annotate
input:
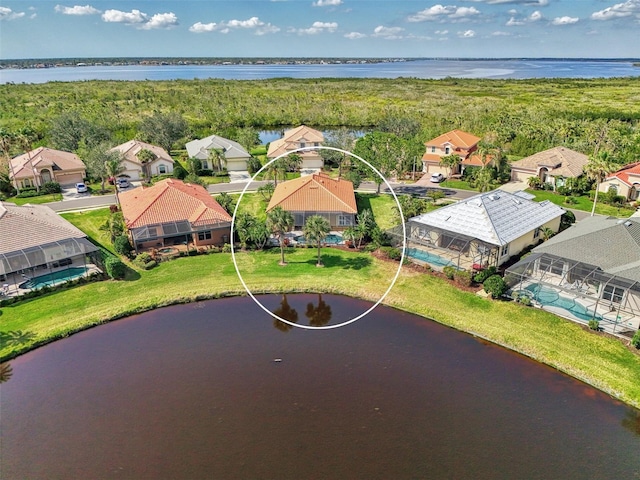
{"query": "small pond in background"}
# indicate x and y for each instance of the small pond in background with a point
(217, 389)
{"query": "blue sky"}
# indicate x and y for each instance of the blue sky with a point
(320, 28)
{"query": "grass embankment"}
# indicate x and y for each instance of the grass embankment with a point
(602, 362)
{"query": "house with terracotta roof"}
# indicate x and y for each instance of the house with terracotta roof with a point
(44, 165)
(551, 166)
(481, 231)
(38, 247)
(300, 137)
(172, 212)
(317, 194)
(235, 156)
(455, 142)
(138, 165)
(589, 271)
(625, 182)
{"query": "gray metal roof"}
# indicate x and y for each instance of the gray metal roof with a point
(495, 217)
(609, 243)
(200, 148)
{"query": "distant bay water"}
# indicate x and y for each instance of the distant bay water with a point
(424, 69)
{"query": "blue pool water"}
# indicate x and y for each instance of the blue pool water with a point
(331, 239)
(54, 278)
(548, 297)
(428, 257)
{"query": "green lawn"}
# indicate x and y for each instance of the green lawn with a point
(458, 184)
(583, 203)
(382, 206)
(253, 203)
(595, 359)
(214, 180)
(52, 197)
(90, 222)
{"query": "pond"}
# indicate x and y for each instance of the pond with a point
(217, 389)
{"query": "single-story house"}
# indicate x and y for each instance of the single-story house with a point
(481, 231)
(317, 194)
(591, 270)
(300, 137)
(551, 166)
(625, 182)
(172, 212)
(455, 142)
(137, 166)
(44, 165)
(37, 245)
(235, 156)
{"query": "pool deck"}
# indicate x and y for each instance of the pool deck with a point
(11, 287)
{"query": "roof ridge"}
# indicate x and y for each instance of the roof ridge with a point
(43, 219)
(165, 186)
(330, 192)
(301, 180)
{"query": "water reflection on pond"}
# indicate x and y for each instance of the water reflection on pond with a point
(213, 390)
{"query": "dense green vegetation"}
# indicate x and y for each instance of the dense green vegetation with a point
(522, 116)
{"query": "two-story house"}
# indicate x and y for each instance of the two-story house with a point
(300, 137)
(455, 142)
(625, 182)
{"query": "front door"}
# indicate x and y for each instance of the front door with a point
(46, 176)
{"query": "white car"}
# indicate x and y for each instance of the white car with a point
(437, 178)
(81, 188)
(122, 183)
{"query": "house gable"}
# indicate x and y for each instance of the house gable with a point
(317, 192)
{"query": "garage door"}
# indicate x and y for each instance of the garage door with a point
(520, 176)
(69, 179)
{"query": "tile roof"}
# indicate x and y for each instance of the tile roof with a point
(44, 157)
(131, 149)
(171, 200)
(560, 161)
(200, 148)
(629, 174)
(609, 243)
(291, 140)
(315, 193)
(23, 227)
(495, 217)
(457, 138)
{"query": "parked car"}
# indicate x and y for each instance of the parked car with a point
(122, 183)
(437, 178)
(81, 188)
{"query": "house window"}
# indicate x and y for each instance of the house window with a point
(27, 183)
(303, 144)
(205, 164)
(613, 189)
(316, 144)
(204, 235)
(613, 293)
(344, 220)
(536, 232)
(504, 250)
(447, 150)
(433, 149)
(162, 169)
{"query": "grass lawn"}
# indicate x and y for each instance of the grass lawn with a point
(382, 206)
(90, 222)
(458, 184)
(583, 203)
(51, 197)
(214, 180)
(595, 359)
(253, 203)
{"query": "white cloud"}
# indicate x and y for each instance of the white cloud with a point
(441, 32)
(388, 33)
(512, 22)
(76, 10)
(354, 35)
(7, 14)
(443, 12)
(467, 34)
(564, 20)
(317, 27)
(161, 20)
(118, 16)
(538, 3)
(500, 34)
(534, 17)
(619, 10)
(253, 23)
(327, 3)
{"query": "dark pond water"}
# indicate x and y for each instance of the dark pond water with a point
(194, 391)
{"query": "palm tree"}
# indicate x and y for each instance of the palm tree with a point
(114, 168)
(294, 162)
(217, 158)
(280, 222)
(24, 138)
(598, 167)
(365, 224)
(316, 229)
(350, 234)
(451, 162)
(245, 223)
(259, 234)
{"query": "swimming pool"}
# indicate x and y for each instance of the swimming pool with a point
(549, 297)
(53, 278)
(428, 257)
(331, 239)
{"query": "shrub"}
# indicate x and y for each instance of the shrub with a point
(482, 275)
(27, 194)
(121, 245)
(114, 267)
(253, 165)
(449, 271)
(570, 200)
(179, 172)
(463, 278)
(524, 300)
(635, 341)
(594, 324)
(495, 286)
(226, 248)
(392, 253)
(51, 187)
